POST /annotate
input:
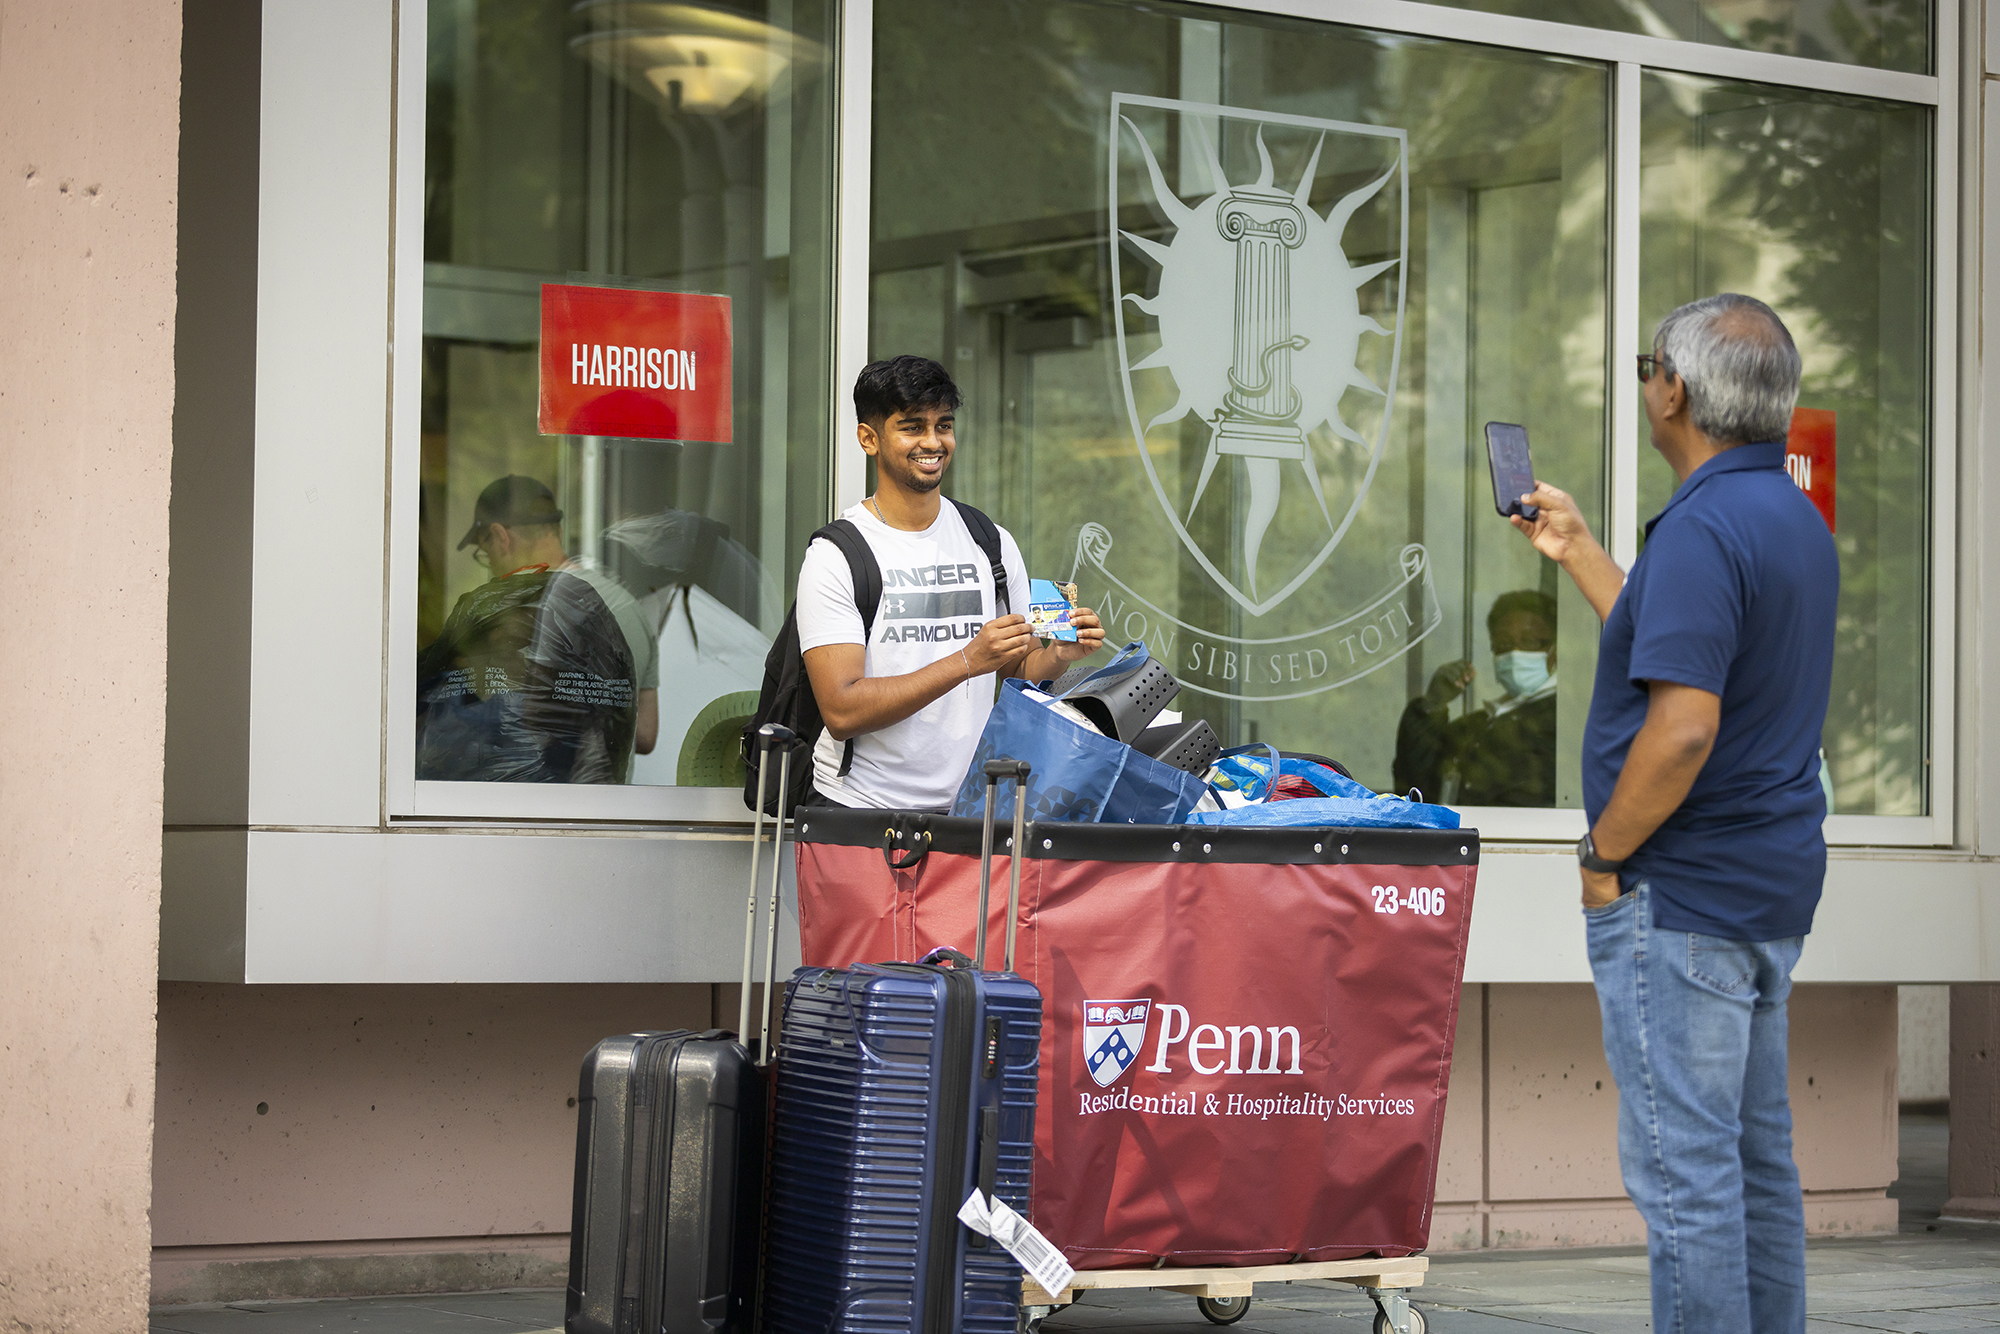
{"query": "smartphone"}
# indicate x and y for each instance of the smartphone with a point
(1513, 475)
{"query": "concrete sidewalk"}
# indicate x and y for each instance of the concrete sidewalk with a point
(1931, 1278)
(1928, 1283)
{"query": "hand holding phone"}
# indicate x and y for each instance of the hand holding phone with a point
(1513, 474)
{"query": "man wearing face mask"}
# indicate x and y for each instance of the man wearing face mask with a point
(1502, 753)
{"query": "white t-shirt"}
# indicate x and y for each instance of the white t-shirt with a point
(937, 591)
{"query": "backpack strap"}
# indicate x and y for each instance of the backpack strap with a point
(867, 573)
(861, 563)
(987, 534)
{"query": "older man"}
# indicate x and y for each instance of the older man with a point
(1705, 856)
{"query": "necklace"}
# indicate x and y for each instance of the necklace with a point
(877, 507)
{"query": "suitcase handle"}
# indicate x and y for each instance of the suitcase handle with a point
(769, 735)
(995, 770)
(957, 957)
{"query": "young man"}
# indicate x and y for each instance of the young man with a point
(915, 694)
(1705, 856)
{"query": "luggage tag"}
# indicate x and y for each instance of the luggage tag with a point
(994, 1218)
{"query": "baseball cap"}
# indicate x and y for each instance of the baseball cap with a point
(512, 501)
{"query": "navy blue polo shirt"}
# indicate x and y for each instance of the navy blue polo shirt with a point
(1734, 594)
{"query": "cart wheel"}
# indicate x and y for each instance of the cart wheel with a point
(1031, 1319)
(1417, 1323)
(1224, 1310)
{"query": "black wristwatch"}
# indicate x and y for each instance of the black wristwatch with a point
(1586, 856)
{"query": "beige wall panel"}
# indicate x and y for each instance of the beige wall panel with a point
(391, 1112)
(288, 1271)
(1458, 1227)
(1975, 1103)
(1553, 1106)
(89, 106)
(1461, 1147)
(1552, 1131)
(1527, 1226)
(1843, 1087)
(1850, 1213)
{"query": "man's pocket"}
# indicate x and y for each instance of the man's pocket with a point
(1616, 905)
(1728, 966)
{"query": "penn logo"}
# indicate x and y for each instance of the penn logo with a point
(1113, 1033)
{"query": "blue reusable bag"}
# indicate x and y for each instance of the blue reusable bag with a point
(1335, 812)
(1077, 773)
(1249, 769)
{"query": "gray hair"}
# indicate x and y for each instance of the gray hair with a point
(1739, 364)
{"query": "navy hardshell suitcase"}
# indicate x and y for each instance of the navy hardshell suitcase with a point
(670, 1137)
(901, 1088)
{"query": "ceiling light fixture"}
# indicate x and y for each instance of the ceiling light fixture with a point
(692, 59)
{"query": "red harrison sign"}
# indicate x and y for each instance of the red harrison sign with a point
(635, 364)
(1809, 457)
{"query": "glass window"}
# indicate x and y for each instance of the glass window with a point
(594, 604)
(1230, 301)
(1820, 205)
(1883, 34)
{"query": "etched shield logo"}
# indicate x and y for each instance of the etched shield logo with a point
(1113, 1033)
(1259, 321)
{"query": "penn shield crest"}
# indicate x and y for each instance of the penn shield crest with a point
(1113, 1033)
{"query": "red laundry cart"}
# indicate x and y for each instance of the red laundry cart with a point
(1248, 1032)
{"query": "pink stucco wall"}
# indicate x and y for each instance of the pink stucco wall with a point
(1530, 1151)
(421, 1137)
(409, 1137)
(89, 106)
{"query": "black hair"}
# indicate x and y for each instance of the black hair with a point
(1533, 601)
(885, 388)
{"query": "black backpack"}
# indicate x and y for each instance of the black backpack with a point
(787, 697)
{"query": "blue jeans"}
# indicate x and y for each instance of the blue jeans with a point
(1694, 1029)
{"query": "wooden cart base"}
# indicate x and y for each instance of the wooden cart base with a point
(1386, 1281)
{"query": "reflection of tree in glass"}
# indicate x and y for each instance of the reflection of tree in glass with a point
(1824, 201)
(1507, 153)
(1017, 103)
(1884, 34)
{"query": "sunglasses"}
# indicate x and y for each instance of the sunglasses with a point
(1651, 364)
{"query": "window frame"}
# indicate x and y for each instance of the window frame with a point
(1626, 56)
(406, 800)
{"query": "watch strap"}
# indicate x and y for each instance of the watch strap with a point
(1586, 856)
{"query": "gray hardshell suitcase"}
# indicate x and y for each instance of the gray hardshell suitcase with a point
(669, 1185)
(670, 1134)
